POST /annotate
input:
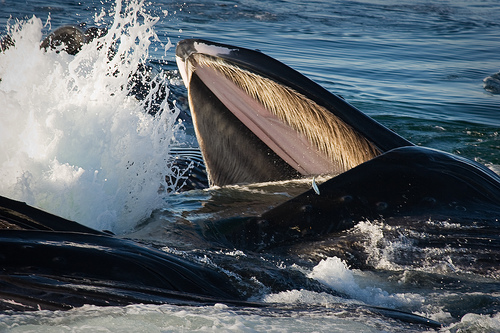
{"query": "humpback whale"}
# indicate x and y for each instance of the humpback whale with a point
(492, 83)
(257, 119)
(406, 184)
(48, 262)
(51, 263)
(71, 38)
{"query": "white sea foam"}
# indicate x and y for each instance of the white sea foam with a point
(171, 318)
(379, 248)
(335, 273)
(216, 318)
(72, 140)
(306, 297)
(472, 322)
(493, 167)
(389, 249)
(360, 287)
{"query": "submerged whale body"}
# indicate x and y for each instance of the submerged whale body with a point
(406, 183)
(55, 264)
(52, 263)
(492, 83)
(71, 38)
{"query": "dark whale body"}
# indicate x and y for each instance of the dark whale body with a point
(48, 262)
(71, 38)
(51, 263)
(404, 183)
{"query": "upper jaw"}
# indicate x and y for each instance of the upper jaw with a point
(187, 47)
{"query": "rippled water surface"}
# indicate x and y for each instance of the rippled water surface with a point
(72, 142)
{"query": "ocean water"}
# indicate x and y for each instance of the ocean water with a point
(76, 142)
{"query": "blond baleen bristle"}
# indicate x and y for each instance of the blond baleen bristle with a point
(331, 136)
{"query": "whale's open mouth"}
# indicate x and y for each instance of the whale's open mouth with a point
(256, 119)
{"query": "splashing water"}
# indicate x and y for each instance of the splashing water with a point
(73, 140)
(335, 273)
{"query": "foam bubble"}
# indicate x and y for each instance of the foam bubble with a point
(335, 273)
(305, 297)
(472, 322)
(380, 250)
(73, 141)
(171, 318)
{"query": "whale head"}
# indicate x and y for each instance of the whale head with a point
(257, 119)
